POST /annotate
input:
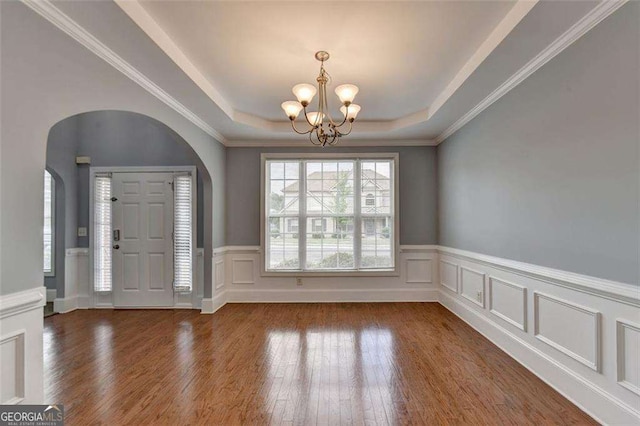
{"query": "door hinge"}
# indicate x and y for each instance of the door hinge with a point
(172, 187)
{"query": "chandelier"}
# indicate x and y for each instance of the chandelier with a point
(321, 128)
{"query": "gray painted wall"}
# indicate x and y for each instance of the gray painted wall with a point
(549, 174)
(33, 101)
(418, 191)
(110, 138)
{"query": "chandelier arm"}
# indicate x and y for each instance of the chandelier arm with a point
(312, 141)
(304, 110)
(350, 128)
(293, 124)
(344, 120)
(326, 103)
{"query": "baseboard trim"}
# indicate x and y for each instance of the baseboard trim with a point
(65, 305)
(211, 305)
(331, 296)
(572, 386)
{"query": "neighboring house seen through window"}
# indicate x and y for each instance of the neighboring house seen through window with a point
(315, 207)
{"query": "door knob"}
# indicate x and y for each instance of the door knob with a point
(117, 246)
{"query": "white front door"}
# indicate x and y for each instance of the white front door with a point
(142, 215)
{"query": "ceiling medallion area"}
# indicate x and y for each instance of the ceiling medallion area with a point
(320, 127)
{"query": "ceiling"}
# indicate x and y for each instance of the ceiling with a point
(424, 68)
(401, 55)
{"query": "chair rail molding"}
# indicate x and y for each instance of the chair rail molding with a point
(21, 330)
(584, 336)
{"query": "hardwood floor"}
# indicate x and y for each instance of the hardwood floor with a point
(393, 363)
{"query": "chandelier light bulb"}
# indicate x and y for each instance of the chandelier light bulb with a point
(292, 109)
(304, 92)
(315, 118)
(347, 93)
(351, 112)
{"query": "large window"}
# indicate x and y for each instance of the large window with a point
(330, 214)
(48, 231)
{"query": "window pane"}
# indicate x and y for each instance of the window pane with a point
(283, 223)
(102, 234)
(330, 215)
(330, 243)
(276, 170)
(48, 222)
(377, 243)
(276, 196)
(182, 233)
(283, 251)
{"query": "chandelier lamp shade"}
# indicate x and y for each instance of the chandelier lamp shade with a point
(320, 127)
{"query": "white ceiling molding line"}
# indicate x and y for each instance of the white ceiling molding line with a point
(580, 28)
(499, 33)
(296, 143)
(141, 17)
(63, 22)
(285, 126)
(144, 20)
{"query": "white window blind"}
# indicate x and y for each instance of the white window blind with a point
(102, 234)
(182, 234)
(48, 232)
(329, 214)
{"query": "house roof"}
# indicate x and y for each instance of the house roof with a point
(319, 182)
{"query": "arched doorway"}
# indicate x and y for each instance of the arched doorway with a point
(111, 140)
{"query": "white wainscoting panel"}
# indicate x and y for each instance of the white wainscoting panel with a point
(472, 285)
(243, 271)
(413, 283)
(449, 275)
(572, 329)
(579, 334)
(199, 275)
(76, 281)
(419, 270)
(21, 331)
(218, 268)
(508, 301)
(12, 367)
(628, 357)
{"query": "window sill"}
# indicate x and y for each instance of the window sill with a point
(329, 274)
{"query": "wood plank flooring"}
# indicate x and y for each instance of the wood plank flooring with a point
(258, 364)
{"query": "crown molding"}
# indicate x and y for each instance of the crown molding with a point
(145, 21)
(303, 143)
(580, 28)
(63, 22)
(499, 33)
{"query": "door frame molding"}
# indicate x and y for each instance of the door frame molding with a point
(107, 301)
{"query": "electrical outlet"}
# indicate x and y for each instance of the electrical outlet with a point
(82, 231)
(479, 296)
(298, 281)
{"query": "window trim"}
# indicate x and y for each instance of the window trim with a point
(391, 272)
(52, 271)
